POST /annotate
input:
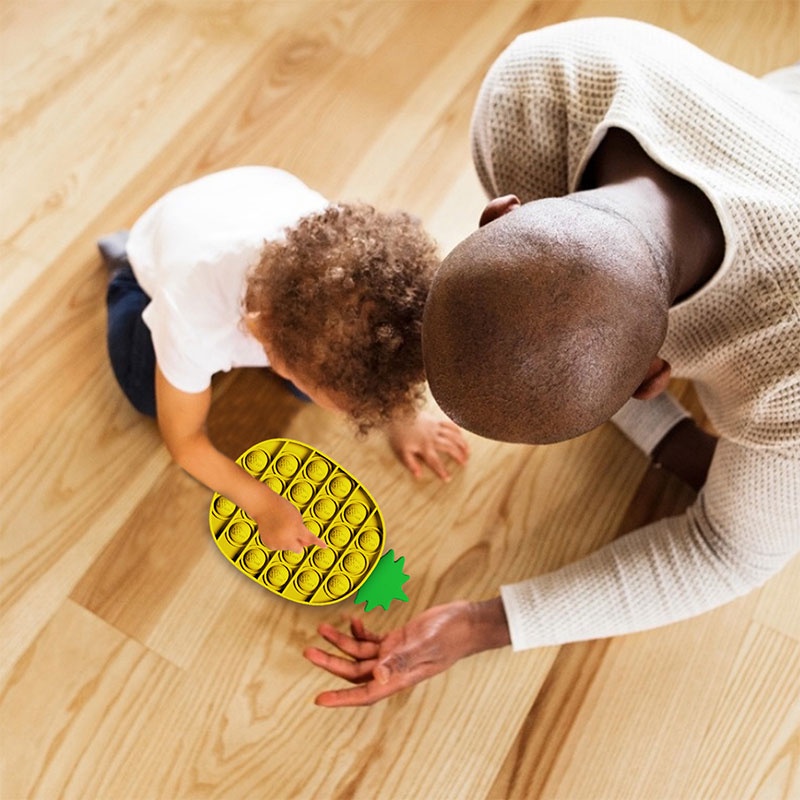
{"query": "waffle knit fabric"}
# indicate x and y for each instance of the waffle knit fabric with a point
(544, 107)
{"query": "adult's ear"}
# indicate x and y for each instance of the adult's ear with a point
(497, 207)
(656, 381)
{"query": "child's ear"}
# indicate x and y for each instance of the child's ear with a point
(497, 208)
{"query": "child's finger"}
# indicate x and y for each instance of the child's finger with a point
(410, 460)
(435, 463)
(453, 445)
(307, 539)
(450, 430)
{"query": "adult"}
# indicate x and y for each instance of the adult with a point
(645, 223)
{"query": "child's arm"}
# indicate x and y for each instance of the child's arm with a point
(182, 420)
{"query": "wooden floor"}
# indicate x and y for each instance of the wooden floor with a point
(136, 663)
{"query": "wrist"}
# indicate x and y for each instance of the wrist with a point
(686, 451)
(488, 625)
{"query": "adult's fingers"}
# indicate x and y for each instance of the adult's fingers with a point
(364, 695)
(355, 647)
(353, 671)
(360, 632)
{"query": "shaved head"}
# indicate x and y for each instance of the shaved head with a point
(540, 325)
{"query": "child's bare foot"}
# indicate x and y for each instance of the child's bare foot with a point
(421, 440)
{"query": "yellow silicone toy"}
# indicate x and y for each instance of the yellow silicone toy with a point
(335, 507)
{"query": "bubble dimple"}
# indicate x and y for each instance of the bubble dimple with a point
(254, 559)
(313, 526)
(354, 563)
(325, 508)
(369, 540)
(224, 507)
(340, 486)
(323, 558)
(256, 460)
(301, 492)
(290, 557)
(317, 469)
(287, 465)
(238, 533)
(277, 575)
(337, 585)
(339, 535)
(355, 513)
(308, 580)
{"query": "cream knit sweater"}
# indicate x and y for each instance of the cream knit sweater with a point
(543, 109)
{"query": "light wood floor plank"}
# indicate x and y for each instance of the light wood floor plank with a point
(80, 682)
(135, 662)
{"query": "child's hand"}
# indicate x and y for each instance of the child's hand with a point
(420, 440)
(280, 527)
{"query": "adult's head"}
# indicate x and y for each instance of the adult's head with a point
(543, 322)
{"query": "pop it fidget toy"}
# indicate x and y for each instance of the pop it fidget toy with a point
(335, 507)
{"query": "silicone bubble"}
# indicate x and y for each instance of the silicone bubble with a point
(223, 507)
(277, 575)
(254, 559)
(301, 492)
(317, 469)
(355, 513)
(287, 466)
(354, 563)
(256, 460)
(369, 540)
(338, 585)
(334, 505)
(339, 535)
(308, 580)
(324, 508)
(324, 558)
(340, 486)
(290, 557)
(239, 533)
(276, 484)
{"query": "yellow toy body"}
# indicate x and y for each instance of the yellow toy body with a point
(335, 507)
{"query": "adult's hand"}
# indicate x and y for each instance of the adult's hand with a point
(427, 645)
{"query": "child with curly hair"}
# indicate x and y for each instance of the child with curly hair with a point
(248, 267)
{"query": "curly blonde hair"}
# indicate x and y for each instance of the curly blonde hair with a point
(340, 300)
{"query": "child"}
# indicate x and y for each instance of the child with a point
(250, 267)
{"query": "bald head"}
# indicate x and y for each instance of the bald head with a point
(540, 325)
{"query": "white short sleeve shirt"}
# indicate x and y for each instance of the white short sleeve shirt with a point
(191, 251)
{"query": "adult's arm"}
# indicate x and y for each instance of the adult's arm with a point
(742, 529)
(662, 429)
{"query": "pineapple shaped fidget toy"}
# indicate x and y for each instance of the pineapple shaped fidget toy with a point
(336, 507)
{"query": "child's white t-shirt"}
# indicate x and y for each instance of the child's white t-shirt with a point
(190, 252)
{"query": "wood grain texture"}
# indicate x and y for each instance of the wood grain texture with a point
(135, 662)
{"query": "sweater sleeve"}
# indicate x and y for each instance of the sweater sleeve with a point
(647, 422)
(744, 526)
